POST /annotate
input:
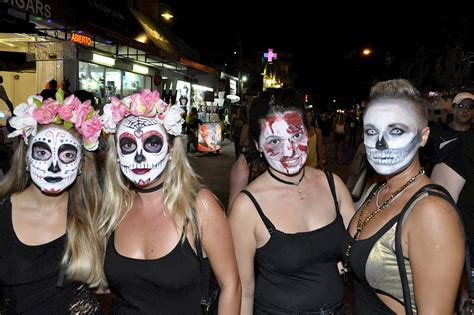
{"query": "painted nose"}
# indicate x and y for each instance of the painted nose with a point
(381, 144)
(288, 149)
(54, 168)
(139, 157)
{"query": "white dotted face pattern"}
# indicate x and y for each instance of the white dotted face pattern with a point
(142, 149)
(392, 136)
(54, 158)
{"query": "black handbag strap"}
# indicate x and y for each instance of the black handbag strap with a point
(431, 190)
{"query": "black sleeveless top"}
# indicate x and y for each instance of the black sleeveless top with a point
(297, 273)
(29, 276)
(167, 285)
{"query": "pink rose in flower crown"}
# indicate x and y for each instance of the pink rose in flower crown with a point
(80, 114)
(46, 113)
(119, 110)
(71, 103)
(161, 108)
(90, 131)
(143, 104)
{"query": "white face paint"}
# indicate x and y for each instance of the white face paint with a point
(142, 149)
(54, 157)
(284, 141)
(392, 136)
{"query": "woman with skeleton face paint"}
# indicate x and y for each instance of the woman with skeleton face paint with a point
(154, 211)
(50, 253)
(290, 221)
(424, 232)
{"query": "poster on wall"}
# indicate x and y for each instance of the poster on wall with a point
(183, 93)
(209, 137)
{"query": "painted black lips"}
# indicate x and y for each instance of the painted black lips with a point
(50, 179)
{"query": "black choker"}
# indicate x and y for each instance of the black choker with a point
(149, 190)
(297, 184)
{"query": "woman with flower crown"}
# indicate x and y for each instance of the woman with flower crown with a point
(405, 245)
(288, 224)
(50, 255)
(154, 212)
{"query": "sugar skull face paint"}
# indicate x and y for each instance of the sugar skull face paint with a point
(142, 149)
(54, 158)
(284, 141)
(392, 136)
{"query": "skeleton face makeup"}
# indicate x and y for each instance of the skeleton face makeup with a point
(392, 136)
(142, 149)
(54, 157)
(284, 141)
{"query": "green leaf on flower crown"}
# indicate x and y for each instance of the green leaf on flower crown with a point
(90, 114)
(37, 102)
(60, 95)
(67, 125)
(57, 119)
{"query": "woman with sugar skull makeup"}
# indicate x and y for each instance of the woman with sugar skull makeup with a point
(154, 210)
(426, 228)
(50, 255)
(288, 225)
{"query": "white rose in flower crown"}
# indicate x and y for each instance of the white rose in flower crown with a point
(107, 119)
(23, 121)
(173, 120)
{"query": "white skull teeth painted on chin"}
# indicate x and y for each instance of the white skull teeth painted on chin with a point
(386, 157)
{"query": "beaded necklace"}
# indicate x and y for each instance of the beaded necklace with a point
(362, 223)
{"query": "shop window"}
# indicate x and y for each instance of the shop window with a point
(113, 83)
(132, 83)
(91, 79)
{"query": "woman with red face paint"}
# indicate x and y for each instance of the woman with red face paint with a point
(50, 254)
(288, 224)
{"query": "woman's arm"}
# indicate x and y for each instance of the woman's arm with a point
(238, 179)
(242, 222)
(346, 205)
(218, 245)
(435, 248)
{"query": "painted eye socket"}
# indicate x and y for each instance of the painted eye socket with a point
(127, 145)
(370, 132)
(67, 153)
(41, 151)
(397, 132)
(274, 141)
(298, 135)
(153, 144)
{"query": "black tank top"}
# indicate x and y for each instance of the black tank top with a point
(167, 285)
(29, 276)
(297, 273)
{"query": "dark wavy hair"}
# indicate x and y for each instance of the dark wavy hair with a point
(274, 101)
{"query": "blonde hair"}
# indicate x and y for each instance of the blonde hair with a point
(400, 89)
(180, 188)
(83, 251)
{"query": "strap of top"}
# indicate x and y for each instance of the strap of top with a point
(330, 178)
(268, 224)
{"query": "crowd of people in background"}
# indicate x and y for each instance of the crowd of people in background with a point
(105, 200)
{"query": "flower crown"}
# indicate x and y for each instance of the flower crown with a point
(146, 103)
(69, 113)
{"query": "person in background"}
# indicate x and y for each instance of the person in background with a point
(339, 138)
(289, 223)
(65, 86)
(237, 123)
(431, 235)
(316, 149)
(154, 211)
(192, 126)
(50, 90)
(325, 123)
(4, 96)
(50, 254)
(459, 130)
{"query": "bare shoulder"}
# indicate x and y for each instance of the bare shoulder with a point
(242, 207)
(207, 202)
(435, 213)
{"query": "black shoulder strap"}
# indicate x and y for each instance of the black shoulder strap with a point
(330, 178)
(268, 224)
(204, 283)
(432, 190)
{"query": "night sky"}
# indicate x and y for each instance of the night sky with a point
(321, 39)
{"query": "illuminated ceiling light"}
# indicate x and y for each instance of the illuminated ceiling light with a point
(244, 78)
(167, 16)
(366, 52)
(103, 60)
(140, 69)
(142, 38)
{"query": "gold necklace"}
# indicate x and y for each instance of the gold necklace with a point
(361, 224)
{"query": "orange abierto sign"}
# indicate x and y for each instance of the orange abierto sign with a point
(81, 39)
